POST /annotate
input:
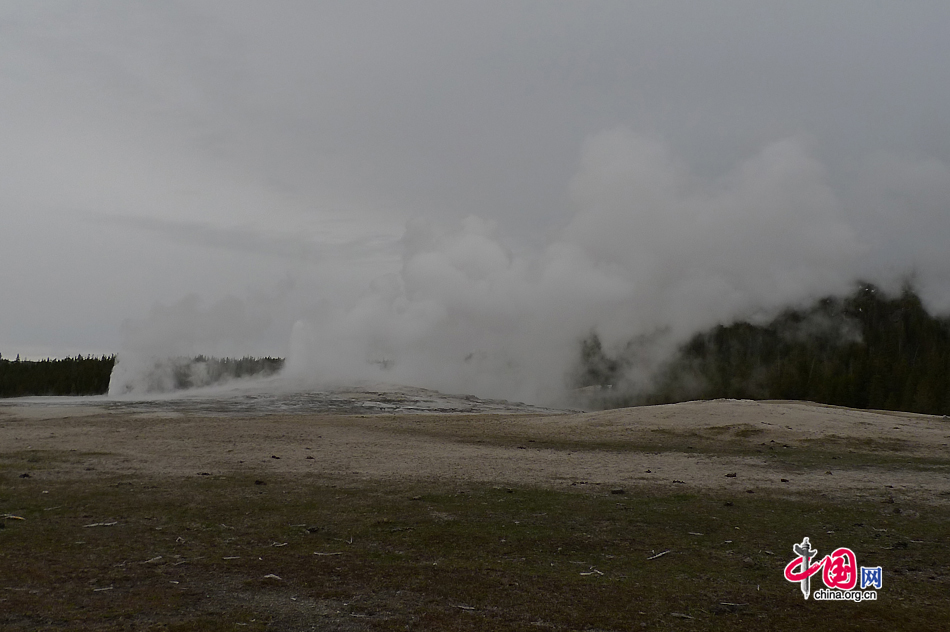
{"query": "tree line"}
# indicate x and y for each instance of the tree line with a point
(90, 375)
(205, 371)
(866, 350)
(67, 376)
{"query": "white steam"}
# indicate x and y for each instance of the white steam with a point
(651, 246)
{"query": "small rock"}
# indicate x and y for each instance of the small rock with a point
(618, 491)
(273, 456)
(828, 472)
(259, 482)
(24, 475)
(750, 491)
(731, 475)
(310, 458)
(728, 503)
(784, 480)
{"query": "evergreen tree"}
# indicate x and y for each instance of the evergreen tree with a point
(866, 350)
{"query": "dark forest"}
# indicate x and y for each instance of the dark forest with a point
(90, 375)
(67, 376)
(866, 350)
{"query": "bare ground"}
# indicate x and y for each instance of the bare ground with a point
(407, 509)
(778, 446)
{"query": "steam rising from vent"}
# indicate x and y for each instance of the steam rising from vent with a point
(165, 375)
(652, 250)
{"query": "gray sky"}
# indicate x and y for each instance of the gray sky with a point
(165, 166)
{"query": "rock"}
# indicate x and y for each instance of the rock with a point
(732, 475)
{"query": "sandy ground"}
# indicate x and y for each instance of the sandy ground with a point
(691, 445)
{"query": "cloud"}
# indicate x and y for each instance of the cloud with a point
(226, 146)
(650, 246)
(254, 241)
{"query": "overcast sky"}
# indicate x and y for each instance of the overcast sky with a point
(167, 162)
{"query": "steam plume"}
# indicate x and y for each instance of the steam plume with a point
(651, 247)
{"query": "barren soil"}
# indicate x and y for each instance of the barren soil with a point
(778, 446)
(392, 508)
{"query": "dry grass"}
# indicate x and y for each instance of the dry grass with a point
(195, 553)
(468, 522)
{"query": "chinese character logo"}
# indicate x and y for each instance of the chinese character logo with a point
(871, 576)
(839, 572)
(805, 553)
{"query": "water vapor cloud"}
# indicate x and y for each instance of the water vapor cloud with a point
(651, 247)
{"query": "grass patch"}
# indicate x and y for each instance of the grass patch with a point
(735, 440)
(806, 456)
(196, 553)
(30, 460)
